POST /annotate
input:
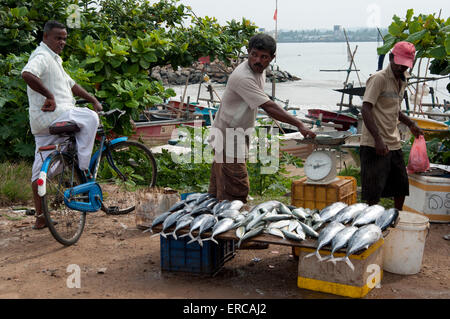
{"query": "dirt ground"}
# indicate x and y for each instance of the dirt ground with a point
(118, 260)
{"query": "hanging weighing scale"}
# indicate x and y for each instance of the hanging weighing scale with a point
(320, 165)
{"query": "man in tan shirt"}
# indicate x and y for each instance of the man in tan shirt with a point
(243, 96)
(383, 171)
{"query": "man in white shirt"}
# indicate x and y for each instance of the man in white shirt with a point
(50, 95)
(243, 96)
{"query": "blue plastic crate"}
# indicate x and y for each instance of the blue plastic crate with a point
(178, 255)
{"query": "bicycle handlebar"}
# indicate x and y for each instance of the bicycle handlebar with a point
(103, 113)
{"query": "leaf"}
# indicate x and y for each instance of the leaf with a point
(132, 104)
(155, 100)
(416, 37)
(93, 60)
(386, 47)
(144, 64)
(409, 14)
(150, 57)
(447, 45)
(133, 69)
(102, 94)
(438, 52)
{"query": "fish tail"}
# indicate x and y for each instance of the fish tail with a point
(333, 259)
(148, 230)
(154, 235)
(217, 243)
(200, 242)
(192, 240)
(184, 235)
(349, 263)
(318, 255)
(163, 234)
(310, 255)
(174, 234)
(326, 258)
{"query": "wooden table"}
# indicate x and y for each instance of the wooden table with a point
(262, 238)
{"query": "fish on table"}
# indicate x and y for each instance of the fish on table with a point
(363, 238)
(325, 237)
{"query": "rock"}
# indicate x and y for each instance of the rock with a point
(101, 270)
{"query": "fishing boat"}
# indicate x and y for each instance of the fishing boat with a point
(432, 128)
(346, 120)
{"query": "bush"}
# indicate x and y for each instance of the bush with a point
(15, 183)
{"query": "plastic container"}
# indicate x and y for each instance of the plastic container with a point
(178, 255)
(404, 245)
(430, 196)
(340, 279)
(314, 196)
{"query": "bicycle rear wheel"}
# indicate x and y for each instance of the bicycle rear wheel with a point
(137, 168)
(66, 225)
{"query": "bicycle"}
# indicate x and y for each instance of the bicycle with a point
(68, 194)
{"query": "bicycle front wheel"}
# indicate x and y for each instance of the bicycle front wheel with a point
(66, 225)
(125, 167)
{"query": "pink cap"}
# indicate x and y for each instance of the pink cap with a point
(404, 53)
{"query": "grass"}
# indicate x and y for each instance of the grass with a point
(15, 185)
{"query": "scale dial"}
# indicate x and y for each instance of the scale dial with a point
(318, 165)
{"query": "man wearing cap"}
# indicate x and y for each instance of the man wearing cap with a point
(383, 170)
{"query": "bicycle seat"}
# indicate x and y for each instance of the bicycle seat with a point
(63, 128)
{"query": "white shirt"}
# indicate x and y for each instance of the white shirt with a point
(47, 65)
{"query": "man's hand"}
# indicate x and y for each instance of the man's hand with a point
(415, 130)
(307, 133)
(49, 105)
(381, 148)
(97, 106)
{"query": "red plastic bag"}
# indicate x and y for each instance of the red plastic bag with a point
(418, 157)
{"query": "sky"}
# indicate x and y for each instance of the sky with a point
(316, 14)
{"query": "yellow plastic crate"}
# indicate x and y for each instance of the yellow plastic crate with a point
(314, 196)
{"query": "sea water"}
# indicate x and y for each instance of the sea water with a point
(309, 61)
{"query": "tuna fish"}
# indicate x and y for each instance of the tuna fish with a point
(325, 237)
(294, 235)
(240, 232)
(184, 221)
(308, 230)
(208, 222)
(195, 224)
(171, 220)
(279, 224)
(257, 219)
(283, 209)
(177, 206)
(274, 232)
(276, 217)
(266, 205)
(236, 204)
(387, 218)
(368, 215)
(220, 227)
(340, 241)
(347, 214)
(219, 206)
(300, 213)
(361, 239)
(330, 211)
(252, 233)
(160, 219)
(228, 213)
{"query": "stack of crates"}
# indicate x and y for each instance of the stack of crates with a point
(179, 256)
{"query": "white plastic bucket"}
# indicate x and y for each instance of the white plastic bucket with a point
(404, 245)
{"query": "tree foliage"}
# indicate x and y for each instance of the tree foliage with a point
(428, 33)
(111, 48)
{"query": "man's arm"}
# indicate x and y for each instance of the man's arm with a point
(410, 123)
(366, 112)
(77, 90)
(275, 111)
(36, 84)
